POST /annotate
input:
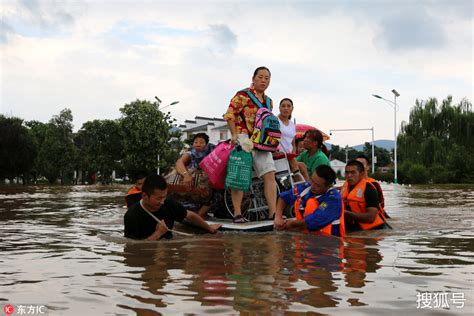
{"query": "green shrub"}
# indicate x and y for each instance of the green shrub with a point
(440, 174)
(418, 174)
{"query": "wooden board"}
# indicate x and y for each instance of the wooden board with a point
(228, 225)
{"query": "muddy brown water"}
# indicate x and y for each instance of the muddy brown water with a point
(62, 247)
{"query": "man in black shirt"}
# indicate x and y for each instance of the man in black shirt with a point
(139, 222)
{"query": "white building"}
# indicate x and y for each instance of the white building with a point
(215, 128)
(338, 166)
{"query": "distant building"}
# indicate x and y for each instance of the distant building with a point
(338, 166)
(215, 128)
(387, 168)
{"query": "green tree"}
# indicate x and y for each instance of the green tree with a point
(56, 157)
(383, 155)
(336, 152)
(417, 174)
(100, 147)
(146, 133)
(439, 137)
(17, 149)
(38, 132)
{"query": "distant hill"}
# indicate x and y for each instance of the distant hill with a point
(382, 143)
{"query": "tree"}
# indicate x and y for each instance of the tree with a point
(100, 146)
(336, 152)
(383, 155)
(56, 158)
(17, 149)
(38, 133)
(440, 139)
(146, 133)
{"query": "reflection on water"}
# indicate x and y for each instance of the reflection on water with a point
(63, 247)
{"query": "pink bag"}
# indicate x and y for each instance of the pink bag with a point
(215, 165)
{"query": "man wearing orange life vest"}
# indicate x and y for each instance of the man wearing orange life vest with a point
(362, 211)
(134, 194)
(318, 206)
(366, 162)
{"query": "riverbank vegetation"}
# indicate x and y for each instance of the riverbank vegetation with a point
(32, 150)
(435, 146)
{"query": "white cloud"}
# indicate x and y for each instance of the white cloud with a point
(328, 58)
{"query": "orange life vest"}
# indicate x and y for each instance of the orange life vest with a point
(312, 205)
(381, 197)
(355, 199)
(132, 191)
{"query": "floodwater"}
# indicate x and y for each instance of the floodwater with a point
(62, 247)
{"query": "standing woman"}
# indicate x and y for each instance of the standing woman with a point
(240, 117)
(288, 133)
(287, 127)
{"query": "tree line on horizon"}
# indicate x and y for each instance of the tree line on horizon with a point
(34, 151)
(435, 146)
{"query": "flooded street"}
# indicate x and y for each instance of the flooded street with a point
(63, 247)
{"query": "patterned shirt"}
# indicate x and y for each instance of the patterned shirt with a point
(242, 105)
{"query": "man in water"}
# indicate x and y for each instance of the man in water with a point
(318, 206)
(366, 162)
(362, 211)
(140, 222)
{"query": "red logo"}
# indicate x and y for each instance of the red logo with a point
(9, 309)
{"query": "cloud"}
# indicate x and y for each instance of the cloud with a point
(412, 30)
(223, 39)
(329, 57)
(5, 31)
(47, 14)
(32, 18)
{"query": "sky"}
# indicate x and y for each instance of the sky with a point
(329, 57)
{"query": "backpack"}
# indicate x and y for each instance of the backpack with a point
(266, 129)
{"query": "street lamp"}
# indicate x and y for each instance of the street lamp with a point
(172, 103)
(394, 105)
(158, 102)
(358, 129)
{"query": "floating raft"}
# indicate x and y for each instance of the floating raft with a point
(228, 225)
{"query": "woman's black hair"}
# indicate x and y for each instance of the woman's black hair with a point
(201, 135)
(286, 99)
(317, 136)
(261, 68)
(289, 100)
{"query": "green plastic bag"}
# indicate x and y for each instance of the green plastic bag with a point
(239, 170)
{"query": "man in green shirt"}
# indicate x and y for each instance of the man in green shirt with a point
(313, 155)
